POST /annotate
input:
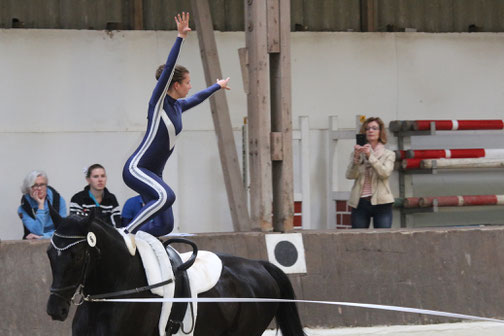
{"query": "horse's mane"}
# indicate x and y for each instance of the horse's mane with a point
(75, 225)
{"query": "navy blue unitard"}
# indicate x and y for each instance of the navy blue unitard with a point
(143, 170)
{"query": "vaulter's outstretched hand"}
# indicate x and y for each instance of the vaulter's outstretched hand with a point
(182, 24)
(224, 83)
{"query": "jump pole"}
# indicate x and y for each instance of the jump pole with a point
(454, 153)
(458, 125)
(461, 163)
(462, 200)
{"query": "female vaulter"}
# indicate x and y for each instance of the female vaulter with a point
(143, 170)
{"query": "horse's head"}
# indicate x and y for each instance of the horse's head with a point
(73, 255)
(69, 256)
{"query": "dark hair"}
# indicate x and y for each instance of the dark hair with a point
(178, 74)
(383, 131)
(93, 167)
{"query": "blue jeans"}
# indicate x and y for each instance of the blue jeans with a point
(381, 213)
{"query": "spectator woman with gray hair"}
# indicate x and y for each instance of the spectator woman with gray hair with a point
(34, 208)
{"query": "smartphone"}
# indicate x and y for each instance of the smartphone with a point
(361, 139)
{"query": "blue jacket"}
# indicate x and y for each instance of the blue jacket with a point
(42, 224)
(133, 206)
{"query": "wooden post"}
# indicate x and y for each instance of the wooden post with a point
(304, 125)
(368, 14)
(269, 114)
(220, 114)
(138, 15)
(259, 120)
(281, 112)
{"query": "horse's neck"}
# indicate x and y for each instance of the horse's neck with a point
(114, 267)
(110, 274)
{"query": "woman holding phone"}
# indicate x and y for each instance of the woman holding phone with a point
(371, 165)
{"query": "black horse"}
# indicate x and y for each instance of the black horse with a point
(109, 267)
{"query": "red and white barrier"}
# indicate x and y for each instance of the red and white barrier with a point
(453, 158)
(458, 125)
(455, 153)
(400, 155)
(411, 202)
(461, 163)
(464, 200)
(411, 163)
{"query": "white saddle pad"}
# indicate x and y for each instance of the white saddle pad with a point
(203, 275)
(205, 272)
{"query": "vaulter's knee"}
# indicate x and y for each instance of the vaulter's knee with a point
(169, 200)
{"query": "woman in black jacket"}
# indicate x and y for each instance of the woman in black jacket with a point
(96, 197)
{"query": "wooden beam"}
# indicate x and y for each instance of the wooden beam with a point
(273, 26)
(220, 114)
(277, 146)
(243, 56)
(281, 121)
(259, 120)
(138, 15)
(368, 14)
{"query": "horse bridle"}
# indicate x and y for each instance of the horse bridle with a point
(79, 286)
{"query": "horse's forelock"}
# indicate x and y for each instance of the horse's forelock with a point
(73, 225)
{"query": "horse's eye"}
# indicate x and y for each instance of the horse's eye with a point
(77, 255)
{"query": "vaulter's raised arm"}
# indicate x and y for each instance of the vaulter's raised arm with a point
(199, 97)
(164, 80)
(162, 84)
(204, 94)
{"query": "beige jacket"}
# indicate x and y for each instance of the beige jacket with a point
(382, 168)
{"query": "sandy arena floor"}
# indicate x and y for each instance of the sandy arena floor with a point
(447, 329)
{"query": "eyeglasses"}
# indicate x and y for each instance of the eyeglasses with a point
(39, 186)
(374, 128)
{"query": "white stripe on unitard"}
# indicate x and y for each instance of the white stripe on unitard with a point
(172, 134)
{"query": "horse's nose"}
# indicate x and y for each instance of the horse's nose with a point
(61, 315)
(57, 309)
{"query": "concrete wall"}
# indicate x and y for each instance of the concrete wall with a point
(453, 270)
(72, 98)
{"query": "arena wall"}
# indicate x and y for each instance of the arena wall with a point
(71, 98)
(454, 270)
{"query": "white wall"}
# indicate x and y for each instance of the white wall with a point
(73, 98)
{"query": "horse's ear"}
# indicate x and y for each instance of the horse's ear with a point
(55, 216)
(93, 214)
(90, 217)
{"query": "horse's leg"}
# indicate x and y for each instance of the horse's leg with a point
(80, 322)
(240, 278)
(125, 319)
(214, 319)
(211, 322)
(234, 319)
(287, 315)
(131, 319)
(254, 318)
(92, 319)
